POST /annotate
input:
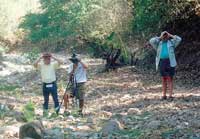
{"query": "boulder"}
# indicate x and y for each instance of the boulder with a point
(154, 124)
(91, 120)
(33, 130)
(110, 127)
(195, 124)
(19, 116)
(54, 134)
(106, 114)
(133, 111)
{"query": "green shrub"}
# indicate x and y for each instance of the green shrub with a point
(29, 111)
(8, 87)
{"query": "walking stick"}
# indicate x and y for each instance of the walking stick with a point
(57, 111)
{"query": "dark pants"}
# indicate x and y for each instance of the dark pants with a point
(47, 89)
(80, 91)
(166, 69)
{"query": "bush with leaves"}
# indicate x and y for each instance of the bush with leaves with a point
(89, 19)
(151, 16)
(29, 111)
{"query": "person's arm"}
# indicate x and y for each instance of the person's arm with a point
(154, 42)
(176, 40)
(71, 70)
(36, 63)
(84, 65)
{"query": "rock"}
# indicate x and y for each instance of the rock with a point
(91, 120)
(126, 120)
(54, 134)
(2, 130)
(1, 68)
(94, 136)
(4, 107)
(68, 130)
(11, 106)
(110, 127)
(83, 128)
(92, 123)
(106, 114)
(132, 111)
(81, 135)
(66, 113)
(120, 115)
(33, 130)
(71, 118)
(196, 124)
(19, 116)
(153, 125)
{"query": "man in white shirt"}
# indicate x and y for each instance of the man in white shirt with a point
(47, 68)
(78, 75)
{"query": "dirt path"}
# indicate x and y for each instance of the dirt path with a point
(128, 95)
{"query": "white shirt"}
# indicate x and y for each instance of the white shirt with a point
(80, 73)
(48, 73)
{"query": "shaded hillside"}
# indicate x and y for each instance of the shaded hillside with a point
(188, 53)
(186, 23)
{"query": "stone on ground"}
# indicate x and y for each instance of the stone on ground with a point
(110, 127)
(54, 134)
(153, 124)
(33, 130)
(132, 111)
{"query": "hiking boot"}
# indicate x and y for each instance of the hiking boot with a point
(45, 113)
(57, 109)
(80, 112)
(66, 113)
(171, 98)
(164, 98)
(54, 115)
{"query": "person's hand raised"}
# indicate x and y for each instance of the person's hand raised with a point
(163, 34)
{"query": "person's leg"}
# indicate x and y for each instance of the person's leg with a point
(164, 87)
(66, 101)
(81, 92)
(55, 95)
(170, 82)
(162, 65)
(81, 105)
(46, 100)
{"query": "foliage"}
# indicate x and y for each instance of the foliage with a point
(113, 41)
(90, 20)
(151, 16)
(8, 87)
(29, 111)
